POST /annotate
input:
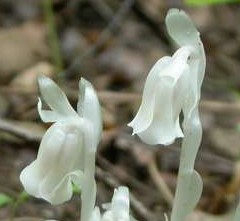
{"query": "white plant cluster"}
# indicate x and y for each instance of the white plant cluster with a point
(67, 152)
(174, 85)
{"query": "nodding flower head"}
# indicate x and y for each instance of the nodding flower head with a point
(60, 159)
(173, 85)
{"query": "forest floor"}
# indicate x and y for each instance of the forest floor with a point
(114, 44)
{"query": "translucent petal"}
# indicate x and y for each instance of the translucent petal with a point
(181, 28)
(58, 162)
(54, 97)
(57, 184)
(167, 98)
(88, 107)
(144, 115)
(162, 129)
(183, 31)
(197, 69)
(63, 190)
(32, 175)
(47, 115)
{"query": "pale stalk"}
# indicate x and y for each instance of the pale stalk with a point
(237, 213)
(88, 191)
(190, 146)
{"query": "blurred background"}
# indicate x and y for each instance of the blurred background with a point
(113, 44)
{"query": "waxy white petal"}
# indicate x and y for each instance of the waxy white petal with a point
(144, 115)
(47, 115)
(183, 32)
(88, 107)
(181, 28)
(162, 129)
(67, 152)
(57, 165)
(168, 88)
(55, 98)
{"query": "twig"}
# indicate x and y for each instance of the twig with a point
(153, 25)
(124, 97)
(15, 127)
(160, 182)
(104, 37)
(122, 176)
(102, 8)
(22, 130)
(221, 106)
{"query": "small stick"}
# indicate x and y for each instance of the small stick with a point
(103, 38)
(125, 97)
(21, 131)
(102, 8)
(160, 182)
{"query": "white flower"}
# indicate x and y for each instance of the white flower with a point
(117, 210)
(173, 85)
(74, 136)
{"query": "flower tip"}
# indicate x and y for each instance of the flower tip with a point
(173, 11)
(88, 106)
(129, 124)
(83, 83)
(45, 83)
(42, 79)
(181, 28)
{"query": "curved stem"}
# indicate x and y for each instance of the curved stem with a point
(190, 146)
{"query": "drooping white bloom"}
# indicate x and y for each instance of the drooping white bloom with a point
(117, 210)
(173, 85)
(67, 146)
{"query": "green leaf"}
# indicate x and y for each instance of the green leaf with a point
(23, 196)
(5, 200)
(208, 2)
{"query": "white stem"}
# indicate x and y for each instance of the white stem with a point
(190, 146)
(237, 213)
(88, 192)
